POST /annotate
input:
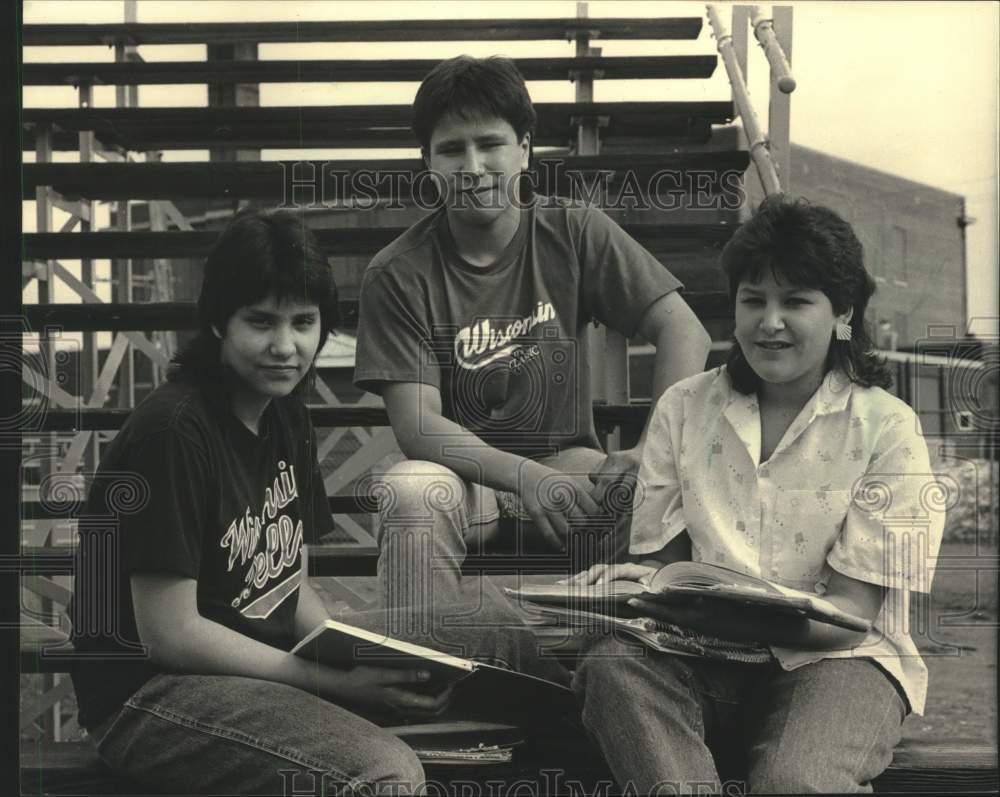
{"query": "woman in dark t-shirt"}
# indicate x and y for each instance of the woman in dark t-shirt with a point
(190, 590)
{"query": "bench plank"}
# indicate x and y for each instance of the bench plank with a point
(345, 241)
(270, 179)
(74, 768)
(153, 316)
(360, 31)
(349, 71)
(111, 419)
(145, 129)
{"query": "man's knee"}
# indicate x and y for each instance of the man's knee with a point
(418, 488)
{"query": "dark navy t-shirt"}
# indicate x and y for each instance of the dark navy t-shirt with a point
(506, 344)
(185, 489)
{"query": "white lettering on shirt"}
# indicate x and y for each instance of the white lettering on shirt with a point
(481, 343)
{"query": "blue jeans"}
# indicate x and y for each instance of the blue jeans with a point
(430, 519)
(214, 734)
(664, 721)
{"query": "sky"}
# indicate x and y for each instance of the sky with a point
(909, 88)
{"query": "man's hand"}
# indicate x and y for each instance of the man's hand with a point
(618, 466)
(382, 688)
(553, 499)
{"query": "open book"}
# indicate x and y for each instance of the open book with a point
(481, 689)
(680, 581)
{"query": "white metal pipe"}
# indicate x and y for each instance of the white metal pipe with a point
(756, 140)
(763, 30)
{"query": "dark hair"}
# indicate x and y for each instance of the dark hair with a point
(260, 253)
(808, 245)
(473, 88)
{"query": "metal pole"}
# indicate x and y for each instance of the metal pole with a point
(756, 141)
(777, 51)
(125, 97)
(46, 351)
(89, 364)
(608, 348)
(775, 36)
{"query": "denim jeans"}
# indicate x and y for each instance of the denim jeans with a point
(214, 734)
(430, 519)
(664, 721)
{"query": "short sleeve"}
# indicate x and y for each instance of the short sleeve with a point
(394, 340)
(164, 533)
(658, 510)
(621, 280)
(892, 531)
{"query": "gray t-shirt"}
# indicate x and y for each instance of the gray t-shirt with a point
(506, 344)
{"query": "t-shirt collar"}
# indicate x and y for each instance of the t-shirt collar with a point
(508, 256)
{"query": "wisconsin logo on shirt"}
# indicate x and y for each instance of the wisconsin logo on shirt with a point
(487, 340)
(268, 545)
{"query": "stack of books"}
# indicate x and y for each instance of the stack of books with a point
(604, 607)
(655, 634)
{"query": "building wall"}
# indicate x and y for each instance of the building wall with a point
(913, 238)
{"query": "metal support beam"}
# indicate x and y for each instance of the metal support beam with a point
(231, 95)
(89, 364)
(740, 33)
(121, 270)
(608, 349)
(779, 112)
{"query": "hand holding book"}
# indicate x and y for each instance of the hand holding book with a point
(679, 584)
(601, 574)
(479, 687)
(406, 692)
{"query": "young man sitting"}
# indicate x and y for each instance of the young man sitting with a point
(473, 331)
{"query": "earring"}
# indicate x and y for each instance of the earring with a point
(843, 331)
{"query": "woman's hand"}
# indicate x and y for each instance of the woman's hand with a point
(383, 689)
(601, 574)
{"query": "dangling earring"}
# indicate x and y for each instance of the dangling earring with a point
(842, 331)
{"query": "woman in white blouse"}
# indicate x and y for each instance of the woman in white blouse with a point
(791, 463)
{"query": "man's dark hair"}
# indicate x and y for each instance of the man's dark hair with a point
(808, 245)
(473, 88)
(259, 254)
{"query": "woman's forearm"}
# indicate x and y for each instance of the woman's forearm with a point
(310, 611)
(204, 646)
